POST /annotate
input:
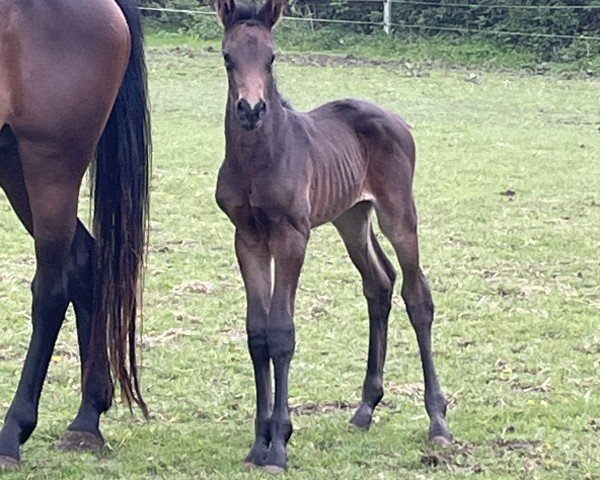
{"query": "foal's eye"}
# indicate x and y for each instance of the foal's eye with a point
(272, 60)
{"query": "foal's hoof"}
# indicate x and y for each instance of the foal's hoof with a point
(440, 441)
(81, 441)
(256, 458)
(8, 463)
(362, 418)
(276, 461)
(273, 469)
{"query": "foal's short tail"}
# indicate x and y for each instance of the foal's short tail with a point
(121, 220)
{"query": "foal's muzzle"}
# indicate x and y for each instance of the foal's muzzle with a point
(250, 117)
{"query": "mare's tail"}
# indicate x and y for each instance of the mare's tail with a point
(120, 223)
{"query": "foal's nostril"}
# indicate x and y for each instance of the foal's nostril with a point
(260, 107)
(242, 105)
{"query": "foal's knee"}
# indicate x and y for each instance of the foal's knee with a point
(258, 345)
(281, 344)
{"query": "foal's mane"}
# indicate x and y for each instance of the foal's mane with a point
(246, 12)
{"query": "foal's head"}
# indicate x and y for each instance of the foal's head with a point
(249, 52)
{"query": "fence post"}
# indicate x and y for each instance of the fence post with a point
(387, 15)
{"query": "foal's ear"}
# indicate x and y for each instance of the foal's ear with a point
(271, 12)
(225, 9)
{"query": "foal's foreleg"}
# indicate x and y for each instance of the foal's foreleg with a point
(378, 278)
(255, 264)
(84, 432)
(400, 226)
(288, 246)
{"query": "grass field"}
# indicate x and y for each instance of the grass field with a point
(508, 190)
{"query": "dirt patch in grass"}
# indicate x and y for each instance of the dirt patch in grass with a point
(462, 457)
(311, 408)
(327, 60)
(516, 444)
(194, 286)
(456, 457)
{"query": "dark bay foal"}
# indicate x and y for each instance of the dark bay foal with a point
(287, 172)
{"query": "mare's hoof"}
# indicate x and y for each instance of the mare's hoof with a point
(8, 463)
(250, 466)
(80, 441)
(273, 469)
(440, 441)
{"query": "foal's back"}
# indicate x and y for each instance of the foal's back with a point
(363, 152)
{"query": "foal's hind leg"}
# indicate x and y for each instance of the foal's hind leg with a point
(378, 278)
(398, 221)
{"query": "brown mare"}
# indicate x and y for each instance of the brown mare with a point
(73, 88)
(285, 173)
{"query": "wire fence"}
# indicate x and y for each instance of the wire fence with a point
(387, 24)
(480, 5)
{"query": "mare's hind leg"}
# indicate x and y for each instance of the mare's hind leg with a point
(84, 432)
(51, 209)
(398, 221)
(97, 386)
(378, 278)
(11, 182)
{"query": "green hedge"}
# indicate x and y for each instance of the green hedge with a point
(481, 19)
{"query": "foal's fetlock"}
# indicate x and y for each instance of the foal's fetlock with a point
(436, 405)
(258, 453)
(257, 456)
(281, 432)
(372, 395)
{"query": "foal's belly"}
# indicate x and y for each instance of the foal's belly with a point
(330, 205)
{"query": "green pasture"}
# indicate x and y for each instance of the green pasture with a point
(508, 191)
